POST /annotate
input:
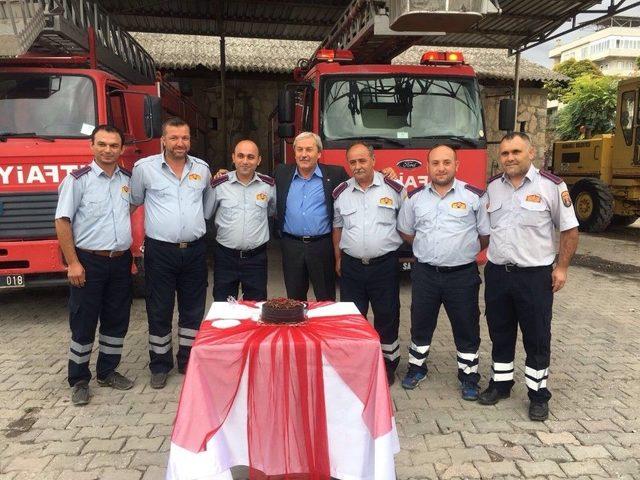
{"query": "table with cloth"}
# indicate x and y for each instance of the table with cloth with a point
(285, 400)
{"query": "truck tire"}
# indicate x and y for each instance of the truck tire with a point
(593, 203)
(624, 220)
(139, 290)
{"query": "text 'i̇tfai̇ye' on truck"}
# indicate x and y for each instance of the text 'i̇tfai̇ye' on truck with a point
(350, 91)
(66, 67)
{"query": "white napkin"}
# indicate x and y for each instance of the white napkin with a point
(342, 308)
(232, 311)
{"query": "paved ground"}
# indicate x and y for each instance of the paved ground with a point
(593, 431)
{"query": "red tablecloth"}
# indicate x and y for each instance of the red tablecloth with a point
(285, 393)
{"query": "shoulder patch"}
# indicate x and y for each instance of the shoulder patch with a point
(125, 171)
(80, 172)
(414, 191)
(495, 177)
(219, 181)
(550, 176)
(393, 184)
(267, 179)
(338, 190)
(478, 191)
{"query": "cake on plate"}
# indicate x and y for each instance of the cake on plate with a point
(282, 311)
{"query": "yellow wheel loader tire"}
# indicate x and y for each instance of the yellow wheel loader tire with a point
(593, 203)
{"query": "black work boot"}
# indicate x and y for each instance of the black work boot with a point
(492, 395)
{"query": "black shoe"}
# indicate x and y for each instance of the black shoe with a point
(80, 393)
(159, 380)
(492, 395)
(391, 377)
(117, 381)
(538, 411)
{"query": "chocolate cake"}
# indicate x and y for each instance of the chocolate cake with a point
(282, 311)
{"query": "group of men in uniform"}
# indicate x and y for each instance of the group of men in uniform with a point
(330, 225)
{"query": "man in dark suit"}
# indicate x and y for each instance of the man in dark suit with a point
(304, 216)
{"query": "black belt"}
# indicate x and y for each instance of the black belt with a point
(448, 269)
(370, 261)
(243, 253)
(512, 267)
(177, 245)
(105, 253)
(306, 238)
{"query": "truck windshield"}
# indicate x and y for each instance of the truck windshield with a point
(417, 111)
(46, 105)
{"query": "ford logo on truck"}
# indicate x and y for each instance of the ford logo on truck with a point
(409, 163)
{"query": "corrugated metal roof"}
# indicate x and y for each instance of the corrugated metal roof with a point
(521, 21)
(280, 56)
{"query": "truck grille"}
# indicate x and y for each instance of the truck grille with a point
(27, 215)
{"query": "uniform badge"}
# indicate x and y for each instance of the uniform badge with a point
(261, 197)
(125, 189)
(533, 198)
(194, 176)
(566, 198)
(386, 201)
(459, 205)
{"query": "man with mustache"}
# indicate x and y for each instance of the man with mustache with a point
(446, 222)
(174, 187)
(526, 207)
(365, 242)
(94, 232)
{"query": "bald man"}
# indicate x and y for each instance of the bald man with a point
(241, 202)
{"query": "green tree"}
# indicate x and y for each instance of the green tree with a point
(591, 102)
(638, 63)
(572, 69)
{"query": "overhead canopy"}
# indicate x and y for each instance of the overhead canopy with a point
(522, 23)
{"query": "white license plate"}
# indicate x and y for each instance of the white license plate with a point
(405, 266)
(12, 281)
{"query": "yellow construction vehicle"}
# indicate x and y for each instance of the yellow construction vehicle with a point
(603, 172)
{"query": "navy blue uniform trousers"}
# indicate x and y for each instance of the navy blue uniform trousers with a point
(232, 269)
(106, 296)
(377, 283)
(458, 292)
(170, 270)
(520, 297)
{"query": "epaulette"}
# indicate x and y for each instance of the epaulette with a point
(476, 190)
(219, 181)
(338, 190)
(495, 177)
(144, 160)
(80, 172)
(393, 184)
(414, 191)
(199, 161)
(550, 176)
(125, 171)
(267, 179)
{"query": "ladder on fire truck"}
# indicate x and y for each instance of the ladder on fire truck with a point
(72, 28)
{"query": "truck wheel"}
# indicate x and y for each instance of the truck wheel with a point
(593, 203)
(139, 290)
(624, 220)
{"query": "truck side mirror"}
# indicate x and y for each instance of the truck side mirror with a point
(286, 106)
(507, 114)
(152, 116)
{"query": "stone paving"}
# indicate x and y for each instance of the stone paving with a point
(593, 430)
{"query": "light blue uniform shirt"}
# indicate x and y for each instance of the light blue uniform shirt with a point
(307, 212)
(173, 208)
(98, 207)
(242, 211)
(368, 218)
(446, 228)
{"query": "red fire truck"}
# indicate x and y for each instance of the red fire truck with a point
(80, 70)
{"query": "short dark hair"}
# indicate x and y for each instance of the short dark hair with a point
(366, 145)
(448, 145)
(173, 122)
(520, 135)
(109, 129)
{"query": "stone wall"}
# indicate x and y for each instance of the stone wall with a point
(532, 109)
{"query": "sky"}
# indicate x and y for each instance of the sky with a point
(540, 54)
